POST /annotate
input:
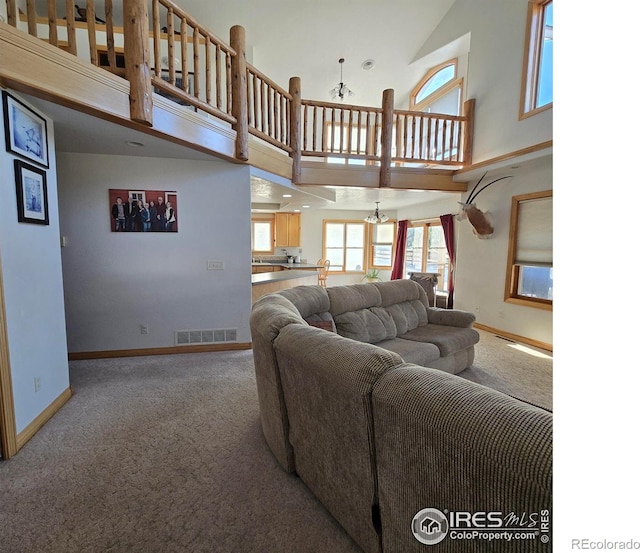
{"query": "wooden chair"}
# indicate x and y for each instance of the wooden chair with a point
(322, 275)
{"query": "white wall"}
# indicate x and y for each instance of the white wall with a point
(497, 30)
(482, 264)
(115, 282)
(32, 279)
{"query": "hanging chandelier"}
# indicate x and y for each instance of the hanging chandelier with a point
(376, 216)
(340, 90)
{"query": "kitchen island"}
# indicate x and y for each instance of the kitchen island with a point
(265, 283)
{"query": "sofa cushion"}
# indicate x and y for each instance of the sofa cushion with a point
(407, 315)
(366, 325)
(397, 291)
(449, 339)
(420, 353)
(343, 299)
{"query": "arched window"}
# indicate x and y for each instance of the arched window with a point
(440, 91)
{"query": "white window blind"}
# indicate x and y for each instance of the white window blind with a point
(534, 244)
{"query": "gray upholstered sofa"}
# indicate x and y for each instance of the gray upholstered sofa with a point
(378, 439)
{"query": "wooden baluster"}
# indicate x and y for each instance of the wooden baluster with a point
(171, 46)
(157, 69)
(429, 146)
(239, 95)
(269, 109)
(386, 138)
(72, 47)
(358, 132)
(287, 120)
(219, 77)
(12, 14)
(32, 24)
(276, 115)
(405, 136)
(111, 49)
(91, 31)
(333, 130)
(228, 79)
(184, 61)
(294, 128)
(421, 138)
(323, 132)
(53, 22)
(444, 137)
(256, 99)
(451, 135)
(342, 128)
(369, 142)
(196, 63)
(414, 153)
(207, 69)
(136, 60)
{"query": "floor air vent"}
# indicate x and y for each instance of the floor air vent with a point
(186, 337)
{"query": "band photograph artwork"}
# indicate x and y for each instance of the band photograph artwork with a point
(25, 131)
(31, 193)
(143, 210)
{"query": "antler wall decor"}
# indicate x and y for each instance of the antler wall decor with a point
(481, 222)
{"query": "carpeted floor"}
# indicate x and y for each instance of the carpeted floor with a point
(165, 454)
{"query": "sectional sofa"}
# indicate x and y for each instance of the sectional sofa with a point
(379, 439)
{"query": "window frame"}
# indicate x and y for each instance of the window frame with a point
(367, 247)
(513, 270)
(345, 222)
(456, 82)
(534, 37)
(372, 244)
(266, 218)
(426, 225)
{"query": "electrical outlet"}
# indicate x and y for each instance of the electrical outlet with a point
(36, 384)
(213, 265)
(144, 329)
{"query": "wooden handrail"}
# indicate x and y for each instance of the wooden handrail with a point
(203, 72)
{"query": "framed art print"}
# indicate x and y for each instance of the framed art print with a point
(31, 193)
(25, 131)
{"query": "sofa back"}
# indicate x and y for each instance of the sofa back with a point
(378, 311)
(327, 382)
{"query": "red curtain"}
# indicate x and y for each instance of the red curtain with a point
(401, 244)
(447, 228)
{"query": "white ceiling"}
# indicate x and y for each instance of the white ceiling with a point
(301, 38)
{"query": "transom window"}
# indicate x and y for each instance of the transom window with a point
(439, 91)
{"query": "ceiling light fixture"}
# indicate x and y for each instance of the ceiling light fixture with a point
(376, 216)
(340, 90)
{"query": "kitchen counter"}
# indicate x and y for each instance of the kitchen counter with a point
(289, 266)
(266, 283)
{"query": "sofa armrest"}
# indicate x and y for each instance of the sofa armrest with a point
(445, 443)
(450, 317)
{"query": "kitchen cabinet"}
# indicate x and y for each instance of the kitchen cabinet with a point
(287, 230)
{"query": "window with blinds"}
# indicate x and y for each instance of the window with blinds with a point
(530, 260)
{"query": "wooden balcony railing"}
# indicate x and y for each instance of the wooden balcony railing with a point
(168, 52)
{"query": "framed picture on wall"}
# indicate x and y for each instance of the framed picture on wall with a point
(31, 192)
(148, 210)
(25, 131)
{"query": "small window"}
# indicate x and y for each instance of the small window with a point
(262, 239)
(382, 242)
(537, 78)
(344, 245)
(442, 77)
(439, 91)
(530, 258)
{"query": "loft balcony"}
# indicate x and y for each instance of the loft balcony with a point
(162, 73)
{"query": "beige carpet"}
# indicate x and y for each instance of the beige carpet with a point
(165, 454)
